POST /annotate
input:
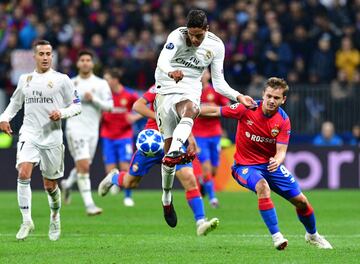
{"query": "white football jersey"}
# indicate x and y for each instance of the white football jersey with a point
(192, 61)
(41, 94)
(87, 123)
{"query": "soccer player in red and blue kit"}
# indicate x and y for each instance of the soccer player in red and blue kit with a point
(262, 138)
(207, 132)
(116, 129)
(141, 164)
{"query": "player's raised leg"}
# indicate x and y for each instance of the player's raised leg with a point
(24, 199)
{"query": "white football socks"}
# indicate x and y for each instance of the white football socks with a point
(24, 198)
(69, 182)
(84, 184)
(181, 133)
(54, 199)
(167, 175)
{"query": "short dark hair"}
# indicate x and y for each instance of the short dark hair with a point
(115, 74)
(85, 52)
(196, 19)
(40, 42)
(277, 83)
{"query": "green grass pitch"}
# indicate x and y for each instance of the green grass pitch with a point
(140, 234)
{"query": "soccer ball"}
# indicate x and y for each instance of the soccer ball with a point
(150, 142)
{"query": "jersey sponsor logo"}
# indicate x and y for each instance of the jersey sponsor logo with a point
(38, 98)
(244, 170)
(234, 106)
(259, 139)
(190, 64)
(275, 131)
(170, 46)
(135, 167)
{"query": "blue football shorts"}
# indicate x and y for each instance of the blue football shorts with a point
(280, 181)
(209, 149)
(117, 150)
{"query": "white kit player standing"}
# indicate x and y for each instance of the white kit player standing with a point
(187, 52)
(48, 97)
(82, 132)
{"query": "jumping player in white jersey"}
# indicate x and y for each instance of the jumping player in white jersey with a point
(187, 52)
(82, 132)
(48, 97)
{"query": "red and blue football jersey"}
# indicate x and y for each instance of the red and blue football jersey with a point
(257, 134)
(149, 96)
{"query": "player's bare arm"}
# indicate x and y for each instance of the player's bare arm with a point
(278, 159)
(177, 75)
(210, 111)
(140, 106)
(5, 126)
(192, 147)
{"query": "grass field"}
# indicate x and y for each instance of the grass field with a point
(140, 235)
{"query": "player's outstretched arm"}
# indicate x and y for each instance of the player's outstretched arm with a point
(140, 106)
(247, 101)
(210, 111)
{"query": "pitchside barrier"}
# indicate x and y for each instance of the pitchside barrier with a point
(313, 167)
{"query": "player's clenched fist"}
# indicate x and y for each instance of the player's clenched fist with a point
(176, 75)
(5, 126)
(55, 115)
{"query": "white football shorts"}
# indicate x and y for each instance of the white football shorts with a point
(51, 160)
(165, 108)
(81, 146)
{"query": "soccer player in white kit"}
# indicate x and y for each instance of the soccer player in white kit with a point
(48, 97)
(187, 52)
(82, 131)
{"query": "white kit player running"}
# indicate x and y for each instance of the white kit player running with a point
(48, 97)
(187, 52)
(82, 132)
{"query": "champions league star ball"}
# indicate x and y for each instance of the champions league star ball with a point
(150, 142)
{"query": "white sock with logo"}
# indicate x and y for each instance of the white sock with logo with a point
(181, 133)
(54, 199)
(84, 184)
(24, 198)
(167, 174)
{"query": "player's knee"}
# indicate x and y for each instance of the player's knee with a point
(24, 174)
(301, 202)
(263, 188)
(187, 179)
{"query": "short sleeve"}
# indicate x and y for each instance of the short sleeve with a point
(285, 131)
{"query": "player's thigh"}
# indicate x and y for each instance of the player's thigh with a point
(247, 176)
(215, 150)
(283, 183)
(166, 115)
(109, 151)
(140, 164)
(79, 146)
(124, 149)
(204, 149)
(27, 152)
(52, 162)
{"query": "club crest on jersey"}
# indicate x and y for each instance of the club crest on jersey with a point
(208, 55)
(234, 106)
(210, 97)
(135, 167)
(245, 170)
(275, 131)
(170, 46)
(50, 84)
(28, 80)
(123, 101)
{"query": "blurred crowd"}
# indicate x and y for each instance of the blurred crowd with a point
(314, 42)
